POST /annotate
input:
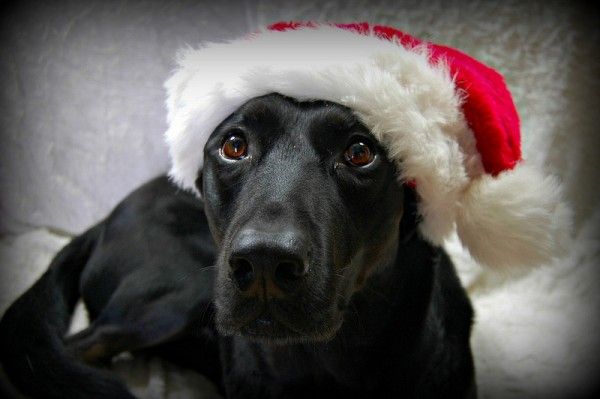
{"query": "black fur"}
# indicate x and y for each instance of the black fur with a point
(311, 280)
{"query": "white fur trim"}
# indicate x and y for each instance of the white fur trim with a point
(409, 103)
(515, 219)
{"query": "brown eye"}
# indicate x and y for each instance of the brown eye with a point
(359, 154)
(234, 147)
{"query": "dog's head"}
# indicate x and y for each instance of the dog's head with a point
(303, 204)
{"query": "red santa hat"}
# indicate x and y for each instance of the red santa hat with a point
(446, 119)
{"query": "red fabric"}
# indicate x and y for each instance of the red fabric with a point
(488, 107)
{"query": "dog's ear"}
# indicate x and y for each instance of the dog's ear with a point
(410, 214)
(198, 183)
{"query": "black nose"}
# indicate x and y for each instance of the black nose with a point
(268, 263)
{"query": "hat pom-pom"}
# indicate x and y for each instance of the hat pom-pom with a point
(516, 219)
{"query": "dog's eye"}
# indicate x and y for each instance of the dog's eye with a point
(358, 154)
(234, 147)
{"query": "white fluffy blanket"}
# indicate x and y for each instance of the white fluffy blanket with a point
(83, 120)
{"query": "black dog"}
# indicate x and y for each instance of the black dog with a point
(301, 273)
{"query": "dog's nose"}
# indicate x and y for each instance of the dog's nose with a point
(268, 263)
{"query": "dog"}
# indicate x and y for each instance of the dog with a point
(300, 272)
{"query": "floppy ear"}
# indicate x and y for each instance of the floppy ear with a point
(410, 214)
(198, 183)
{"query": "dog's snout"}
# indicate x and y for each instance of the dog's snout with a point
(270, 264)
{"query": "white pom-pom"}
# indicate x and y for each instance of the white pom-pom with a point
(516, 219)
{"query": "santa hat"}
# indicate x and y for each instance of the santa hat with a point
(446, 119)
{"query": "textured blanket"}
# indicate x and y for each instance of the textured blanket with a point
(83, 119)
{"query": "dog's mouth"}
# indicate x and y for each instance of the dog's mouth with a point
(266, 326)
(279, 323)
